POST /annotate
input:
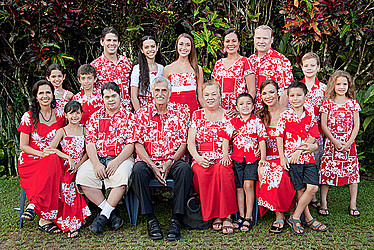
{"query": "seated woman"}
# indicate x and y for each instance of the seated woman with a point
(212, 180)
(39, 168)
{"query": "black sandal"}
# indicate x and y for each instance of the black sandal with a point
(293, 224)
(238, 223)
(275, 229)
(50, 228)
(73, 232)
(245, 227)
(28, 215)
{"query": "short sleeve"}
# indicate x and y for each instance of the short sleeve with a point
(139, 129)
(356, 106)
(285, 73)
(135, 76)
(251, 65)
(129, 128)
(324, 107)
(247, 70)
(227, 131)
(160, 69)
(214, 73)
(313, 130)
(194, 120)
(91, 129)
(261, 130)
(26, 123)
(281, 125)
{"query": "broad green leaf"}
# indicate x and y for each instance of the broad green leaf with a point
(199, 39)
(135, 28)
(201, 20)
(213, 46)
(346, 28)
(49, 45)
(367, 121)
(68, 57)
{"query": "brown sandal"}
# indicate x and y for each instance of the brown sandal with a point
(217, 222)
(226, 228)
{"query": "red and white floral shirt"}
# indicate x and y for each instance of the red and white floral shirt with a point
(232, 80)
(314, 102)
(89, 104)
(249, 134)
(110, 133)
(295, 131)
(163, 134)
(273, 65)
(107, 71)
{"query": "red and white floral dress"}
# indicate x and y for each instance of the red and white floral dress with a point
(40, 177)
(232, 80)
(73, 209)
(60, 104)
(338, 168)
(277, 191)
(89, 104)
(214, 184)
(184, 90)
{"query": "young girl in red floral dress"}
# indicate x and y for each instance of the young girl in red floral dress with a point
(55, 74)
(73, 209)
(340, 122)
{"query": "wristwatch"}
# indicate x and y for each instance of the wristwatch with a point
(171, 159)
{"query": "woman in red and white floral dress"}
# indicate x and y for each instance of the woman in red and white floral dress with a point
(73, 208)
(233, 72)
(276, 189)
(185, 75)
(40, 168)
(213, 180)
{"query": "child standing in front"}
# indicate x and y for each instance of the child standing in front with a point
(73, 208)
(56, 75)
(340, 123)
(250, 135)
(89, 97)
(296, 128)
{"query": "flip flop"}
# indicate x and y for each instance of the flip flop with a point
(74, 233)
(315, 204)
(327, 213)
(316, 227)
(50, 228)
(275, 229)
(352, 212)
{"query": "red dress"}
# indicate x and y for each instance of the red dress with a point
(277, 191)
(337, 168)
(40, 177)
(215, 184)
(183, 86)
(232, 80)
(73, 209)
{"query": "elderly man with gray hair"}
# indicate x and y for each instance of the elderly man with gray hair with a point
(160, 143)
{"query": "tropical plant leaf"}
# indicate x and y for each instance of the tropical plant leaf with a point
(199, 39)
(367, 121)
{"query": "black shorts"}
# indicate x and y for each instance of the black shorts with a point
(302, 174)
(244, 172)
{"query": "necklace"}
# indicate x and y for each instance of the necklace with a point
(50, 117)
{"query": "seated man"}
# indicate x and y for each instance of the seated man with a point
(109, 148)
(160, 141)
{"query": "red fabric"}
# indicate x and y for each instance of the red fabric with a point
(73, 209)
(89, 104)
(315, 98)
(40, 177)
(273, 65)
(119, 73)
(277, 192)
(295, 131)
(110, 133)
(184, 90)
(60, 106)
(249, 134)
(337, 168)
(232, 80)
(161, 135)
(216, 187)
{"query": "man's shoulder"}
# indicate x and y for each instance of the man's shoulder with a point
(277, 55)
(98, 61)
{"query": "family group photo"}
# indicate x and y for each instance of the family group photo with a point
(187, 124)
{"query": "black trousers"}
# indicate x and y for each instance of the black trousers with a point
(180, 172)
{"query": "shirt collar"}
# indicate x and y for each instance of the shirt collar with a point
(104, 113)
(250, 118)
(105, 60)
(154, 112)
(316, 83)
(266, 56)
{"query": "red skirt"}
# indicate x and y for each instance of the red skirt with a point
(216, 187)
(40, 178)
(187, 99)
(277, 192)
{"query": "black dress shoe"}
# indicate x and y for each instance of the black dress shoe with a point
(154, 230)
(97, 227)
(115, 220)
(174, 230)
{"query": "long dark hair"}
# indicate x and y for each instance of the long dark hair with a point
(143, 65)
(263, 112)
(192, 57)
(35, 107)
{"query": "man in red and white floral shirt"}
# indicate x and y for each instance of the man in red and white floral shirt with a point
(160, 141)
(113, 67)
(267, 63)
(109, 148)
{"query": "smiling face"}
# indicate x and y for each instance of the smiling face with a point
(44, 95)
(56, 78)
(87, 81)
(341, 86)
(149, 48)
(110, 44)
(231, 43)
(244, 106)
(74, 117)
(161, 93)
(269, 95)
(211, 96)
(263, 41)
(111, 99)
(184, 46)
(297, 97)
(310, 67)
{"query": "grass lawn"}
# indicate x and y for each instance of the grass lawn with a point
(346, 231)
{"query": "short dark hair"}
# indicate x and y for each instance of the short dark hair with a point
(108, 30)
(72, 106)
(298, 85)
(110, 85)
(86, 69)
(229, 31)
(244, 95)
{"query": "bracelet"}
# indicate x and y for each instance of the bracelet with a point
(171, 159)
